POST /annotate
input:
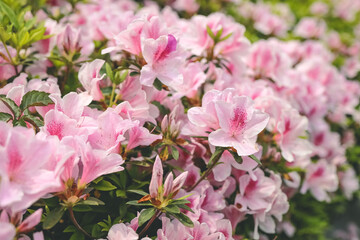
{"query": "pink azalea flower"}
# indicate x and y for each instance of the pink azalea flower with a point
(163, 61)
(24, 174)
(310, 28)
(121, 231)
(138, 135)
(320, 179)
(89, 77)
(255, 195)
(291, 130)
(349, 182)
(240, 124)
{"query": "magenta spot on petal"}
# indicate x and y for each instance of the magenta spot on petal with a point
(238, 121)
(55, 128)
(170, 47)
(250, 187)
(319, 138)
(15, 159)
(318, 173)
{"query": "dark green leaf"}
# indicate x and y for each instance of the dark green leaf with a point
(35, 98)
(183, 219)
(11, 105)
(163, 110)
(158, 84)
(237, 158)
(175, 152)
(92, 201)
(172, 209)
(53, 217)
(5, 117)
(186, 207)
(216, 155)
(70, 228)
(135, 203)
(82, 208)
(180, 201)
(146, 215)
(77, 236)
(104, 186)
(35, 121)
(138, 191)
(132, 74)
(123, 179)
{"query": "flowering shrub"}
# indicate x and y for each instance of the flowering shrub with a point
(248, 110)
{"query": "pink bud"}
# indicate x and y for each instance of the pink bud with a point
(179, 181)
(156, 178)
(168, 184)
(69, 40)
(31, 221)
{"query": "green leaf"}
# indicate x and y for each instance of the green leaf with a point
(180, 201)
(5, 117)
(92, 201)
(163, 110)
(138, 191)
(253, 157)
(175, 152)
(185, 220)
(158, 84)
(121, 193)
(24, 39)
(104, 186)
(172, 209)
(53, 217)
(146, 215)
(135, 203)
(226, 37)
(5, 9)
(70, 228)
(97, 180)
(35, 98)
(35, 121)
(186, 207)
(216, 155)
(77, 236)
(109, 72)
(82, 208)
(218, 35)
(15, 110)
(132, 74)
(211, 34)
(237, 158)
(123, 179)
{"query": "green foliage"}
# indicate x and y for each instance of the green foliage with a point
(18, 32)
(21, 114)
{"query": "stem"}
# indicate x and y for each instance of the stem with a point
(157, 213)
(77, 225)
(112, 95)
(10, 58)
(66, 77)
(213, 161)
